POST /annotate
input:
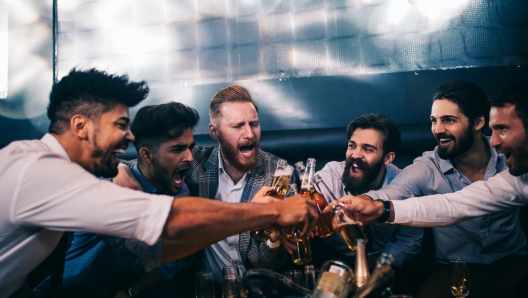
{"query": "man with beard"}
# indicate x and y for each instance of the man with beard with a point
(373, 142)
(50, 186)
(100, 265)
(232, 172)
(494, 245)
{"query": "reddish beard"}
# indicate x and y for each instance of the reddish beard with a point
(231, 155)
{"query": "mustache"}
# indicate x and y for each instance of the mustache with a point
(444, 136)
(183, 166)
(246, 144)
(361, 164)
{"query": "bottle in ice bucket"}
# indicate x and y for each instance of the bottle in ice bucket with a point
(335, 280)
(280, 182)
(324, 223)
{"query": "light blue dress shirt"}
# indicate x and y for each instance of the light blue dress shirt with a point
(399, 241)
(480, 240)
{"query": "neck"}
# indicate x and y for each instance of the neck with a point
(148, 173)
(235, 174)
(474, 162)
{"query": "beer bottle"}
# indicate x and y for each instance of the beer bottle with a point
(324, 223)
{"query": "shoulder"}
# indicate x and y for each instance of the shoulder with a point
(333, 168)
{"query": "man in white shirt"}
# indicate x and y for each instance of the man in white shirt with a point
(50, 185)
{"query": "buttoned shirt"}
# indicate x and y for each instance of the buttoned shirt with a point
(44, 193)
(480, 240)
(226, 251)
(399, 241)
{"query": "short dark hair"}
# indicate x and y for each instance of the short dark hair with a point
(516, 95)
(391, 133)
(90, 93)
(470, 98)
(229, 94)
(156, 124)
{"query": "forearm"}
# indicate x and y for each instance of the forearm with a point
(207, 221)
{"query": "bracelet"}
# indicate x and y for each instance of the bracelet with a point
(386, 212)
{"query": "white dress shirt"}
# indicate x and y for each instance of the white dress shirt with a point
(225, 252)
(44, 193)
(500, 192)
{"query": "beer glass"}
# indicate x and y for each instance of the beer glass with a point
(458, 278)
(231, 286)
(294, 275)
(303, 253)
(235, 270)
(204, 285)
(348, 229)
(309, 277)
(335, 280)
(280, 183)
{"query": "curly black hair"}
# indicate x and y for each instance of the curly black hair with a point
(90, 93)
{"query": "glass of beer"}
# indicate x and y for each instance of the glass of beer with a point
(204, 285)
(302, 255)
(348, 229)
(280, 182)
(458, 278)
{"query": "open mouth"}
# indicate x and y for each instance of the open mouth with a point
(247, 151)
(446, 141)
(355, 170)
(118, 151)
(179, 175)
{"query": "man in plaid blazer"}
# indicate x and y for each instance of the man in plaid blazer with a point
(234, 172)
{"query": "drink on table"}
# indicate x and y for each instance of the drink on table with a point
(280, 183)
(324, 223)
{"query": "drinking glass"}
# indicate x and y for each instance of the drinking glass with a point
(231, 286)
(204, 285)
(231, 270)
(294, 275)
(234, 270)
(458, 278)
(309, 277)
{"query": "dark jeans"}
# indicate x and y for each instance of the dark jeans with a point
(494, 280)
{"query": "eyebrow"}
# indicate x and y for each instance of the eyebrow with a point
(183, 145)
(444, 117)
(364, 145)
(126, 119)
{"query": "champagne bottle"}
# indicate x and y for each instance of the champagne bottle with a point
(379, 278)
(361, 271)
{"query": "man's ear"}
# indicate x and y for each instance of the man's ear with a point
(389, 158)
(478, 124)
(80, 125)
(213, 131)
(146, 155)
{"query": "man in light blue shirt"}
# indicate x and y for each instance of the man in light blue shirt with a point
(493, 245)
(99, 265)
(373, 141)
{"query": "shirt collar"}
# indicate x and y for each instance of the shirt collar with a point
(55, 145)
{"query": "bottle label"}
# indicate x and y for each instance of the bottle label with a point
(337, 270)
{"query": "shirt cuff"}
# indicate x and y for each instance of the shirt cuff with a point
(402, 212)
(273, 245)
(151, 225)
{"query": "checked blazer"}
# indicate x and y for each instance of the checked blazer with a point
(202, 181)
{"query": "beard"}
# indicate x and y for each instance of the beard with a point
(230, 154)
(462, 144)
(360, 184)
(519, 154)
(165, 177)
(102, 166)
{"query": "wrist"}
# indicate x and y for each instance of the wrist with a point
(384, 212)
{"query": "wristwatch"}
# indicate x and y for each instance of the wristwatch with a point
(132, 292)
(386, 212)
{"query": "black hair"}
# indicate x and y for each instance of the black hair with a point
(391, 133)
(516, 95)
(156, 124)
(90, 93)
(470, 98)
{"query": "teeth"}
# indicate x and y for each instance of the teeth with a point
(444, 140)
(354, 165)
(119, 151)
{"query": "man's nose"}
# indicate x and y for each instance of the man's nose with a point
(248, 132)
